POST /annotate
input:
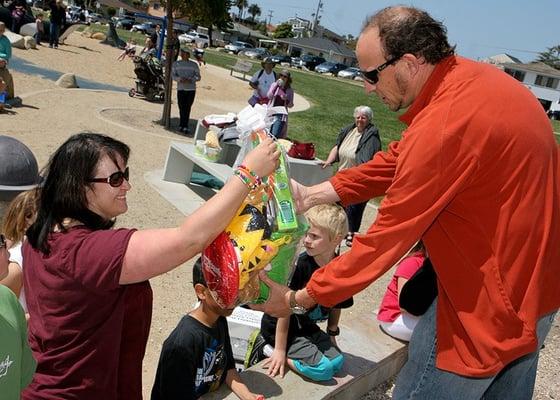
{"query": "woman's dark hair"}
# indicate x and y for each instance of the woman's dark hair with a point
(410, 30)
(67, 176)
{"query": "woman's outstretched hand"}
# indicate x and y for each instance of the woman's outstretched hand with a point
(263, 159)
(277, 304)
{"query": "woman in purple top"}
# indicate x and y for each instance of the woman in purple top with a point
(87, 286)
(281, 94)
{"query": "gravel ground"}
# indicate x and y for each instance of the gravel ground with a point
(50, 115)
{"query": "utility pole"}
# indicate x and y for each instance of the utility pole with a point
(269, 16)
(317, 18)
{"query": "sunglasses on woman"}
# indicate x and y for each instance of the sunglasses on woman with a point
(116, 179)
(2, 241)
(372, 76)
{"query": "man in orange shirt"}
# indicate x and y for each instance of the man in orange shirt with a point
(475, 176)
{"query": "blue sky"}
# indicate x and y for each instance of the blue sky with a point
(478, 28)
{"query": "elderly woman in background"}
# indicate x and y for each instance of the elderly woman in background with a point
(356, 144)
(88, 295)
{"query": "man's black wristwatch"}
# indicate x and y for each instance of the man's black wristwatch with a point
(336, 332)
(294, 306)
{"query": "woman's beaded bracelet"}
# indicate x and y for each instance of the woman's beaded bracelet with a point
(248, 177)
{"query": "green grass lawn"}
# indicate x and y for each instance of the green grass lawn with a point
(556, 128)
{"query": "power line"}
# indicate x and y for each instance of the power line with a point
(509, 49)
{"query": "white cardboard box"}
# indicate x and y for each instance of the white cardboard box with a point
(242, 322)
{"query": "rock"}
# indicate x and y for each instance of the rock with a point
(67, 81)
(29, 29)
(87, 32)
(99, 36)
(29, 42)
(15, 39)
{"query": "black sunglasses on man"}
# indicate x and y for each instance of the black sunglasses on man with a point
(372, 76)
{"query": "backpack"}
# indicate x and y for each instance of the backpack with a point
(262, 72)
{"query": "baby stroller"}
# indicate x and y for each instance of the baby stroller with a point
(150, 82)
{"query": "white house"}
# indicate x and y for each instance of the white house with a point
(300, 26)
(541, 79)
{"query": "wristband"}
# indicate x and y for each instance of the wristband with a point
(248, 177)
(336, 332)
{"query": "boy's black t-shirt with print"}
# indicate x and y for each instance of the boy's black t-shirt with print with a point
(194, 360)
(301, 325)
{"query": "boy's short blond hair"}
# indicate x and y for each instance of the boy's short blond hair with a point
(330, 217)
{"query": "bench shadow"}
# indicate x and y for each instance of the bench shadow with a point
(84, 48)
(65, 50)
(28, 106)
(240, 78)
(202, 191)
(257, 382)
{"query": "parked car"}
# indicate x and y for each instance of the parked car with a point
(200, 39)
(280, 58)
(330, 67)
(310, 62)
(349, 73)
(259, 53)
(42, 4)
(125, 23)
(237, 46)
(295, 62)
(94, 17)
(147, 28)
(187, 37)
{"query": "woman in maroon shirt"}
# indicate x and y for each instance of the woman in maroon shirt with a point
(87, 284)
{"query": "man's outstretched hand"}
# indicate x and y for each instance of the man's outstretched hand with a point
(278, 302)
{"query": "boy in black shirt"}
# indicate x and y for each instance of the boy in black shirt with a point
(197, 358)
(298, 341)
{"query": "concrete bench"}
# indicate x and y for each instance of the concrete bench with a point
(182, 161)
(241, 66)
(371, 358)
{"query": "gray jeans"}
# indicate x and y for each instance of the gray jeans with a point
(420, 379)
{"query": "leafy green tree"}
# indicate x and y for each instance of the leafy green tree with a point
(254, 10)
(208, 13)
(284, 30)
(550, 57)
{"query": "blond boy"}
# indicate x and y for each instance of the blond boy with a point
(298, 341)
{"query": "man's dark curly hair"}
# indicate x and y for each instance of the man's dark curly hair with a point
(410, 30)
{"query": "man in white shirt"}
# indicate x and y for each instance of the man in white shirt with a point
(261, 82)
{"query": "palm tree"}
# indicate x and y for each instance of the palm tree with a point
(551, 57)
(241, 4)
(254, 10)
